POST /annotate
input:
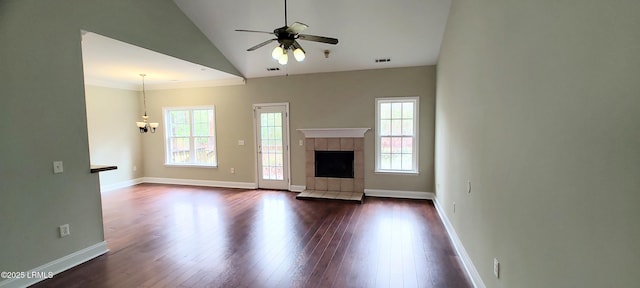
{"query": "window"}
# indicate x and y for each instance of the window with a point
(190, 136)
(397, 135)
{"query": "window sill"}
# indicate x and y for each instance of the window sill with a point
(190, 166)
(395, 172)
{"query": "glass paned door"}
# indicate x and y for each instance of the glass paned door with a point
(273, 143)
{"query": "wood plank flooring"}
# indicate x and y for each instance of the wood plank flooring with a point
(182, 236)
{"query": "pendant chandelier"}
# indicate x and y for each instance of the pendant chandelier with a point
(145, 126)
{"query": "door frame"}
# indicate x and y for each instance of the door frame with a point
(286, 141)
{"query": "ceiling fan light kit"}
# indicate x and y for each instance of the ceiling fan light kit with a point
(287, 37)
(284, 58)
(277, 53)
(299, 54)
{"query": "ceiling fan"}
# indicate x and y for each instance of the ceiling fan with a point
(287, 37)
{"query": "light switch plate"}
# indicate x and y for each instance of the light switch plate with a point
(65, 230)
(57, 167)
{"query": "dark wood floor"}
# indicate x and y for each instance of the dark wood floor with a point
(181, 236)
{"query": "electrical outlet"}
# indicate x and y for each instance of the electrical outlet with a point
(496, 268)
(232, 170)
(135, 168)
(300, 142)
(64, 230)
(57, 167)
(240, 142)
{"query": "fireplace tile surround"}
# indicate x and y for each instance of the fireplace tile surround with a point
(335, 184)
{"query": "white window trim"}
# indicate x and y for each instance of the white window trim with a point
(165, 136)
(416, 114)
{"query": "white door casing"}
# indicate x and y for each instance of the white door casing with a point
(272, 145)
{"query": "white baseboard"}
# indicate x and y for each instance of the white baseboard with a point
(457, 244)
(57, 266)
(194, 182)
(399, 194)
(120, 185)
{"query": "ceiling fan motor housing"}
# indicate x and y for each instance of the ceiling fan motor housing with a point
(285, 38)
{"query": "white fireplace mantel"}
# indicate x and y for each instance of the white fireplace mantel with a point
(334, 132)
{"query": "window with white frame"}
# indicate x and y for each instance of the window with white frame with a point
(190, 136)
(397, 134)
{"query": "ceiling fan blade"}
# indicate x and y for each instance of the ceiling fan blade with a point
(261, 44)
(322, 39)
(253, 31)
(296, 28)
(296, 45)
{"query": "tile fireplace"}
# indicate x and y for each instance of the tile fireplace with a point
(342, 174)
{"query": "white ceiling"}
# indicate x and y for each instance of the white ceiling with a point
(112, 63)
(409, 32)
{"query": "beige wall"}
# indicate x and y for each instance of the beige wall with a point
(326, 100)
(113, 136)
(43, 117)
(538, 106)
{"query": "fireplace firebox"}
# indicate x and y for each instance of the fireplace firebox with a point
(335, 164)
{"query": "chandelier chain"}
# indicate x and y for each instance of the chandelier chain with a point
(144, 95)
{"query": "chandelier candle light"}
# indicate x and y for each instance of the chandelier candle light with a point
(145, 126)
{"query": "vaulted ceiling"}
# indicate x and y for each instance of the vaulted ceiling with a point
(408, 32)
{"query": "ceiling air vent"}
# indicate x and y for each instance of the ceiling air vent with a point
(273, 69)
(383, 60)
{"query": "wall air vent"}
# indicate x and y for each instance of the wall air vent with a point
(383, 60)
(273, 69)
